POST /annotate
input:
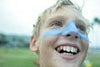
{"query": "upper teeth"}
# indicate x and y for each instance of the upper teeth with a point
(68, 49)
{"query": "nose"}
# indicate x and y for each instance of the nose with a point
(72, 35)
(70, 30)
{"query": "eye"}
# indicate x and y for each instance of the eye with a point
(57, 23)
(81, 28)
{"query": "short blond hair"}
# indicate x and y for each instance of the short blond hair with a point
(59, 4)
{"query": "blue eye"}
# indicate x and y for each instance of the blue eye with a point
(57, 23)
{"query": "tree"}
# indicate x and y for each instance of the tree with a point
(3, 40)
(96, 21)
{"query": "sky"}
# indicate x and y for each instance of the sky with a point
(18, 16)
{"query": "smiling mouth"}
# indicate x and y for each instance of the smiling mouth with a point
(67, 50)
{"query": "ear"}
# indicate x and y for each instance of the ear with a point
(33, 45)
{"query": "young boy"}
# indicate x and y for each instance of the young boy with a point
(60, 36)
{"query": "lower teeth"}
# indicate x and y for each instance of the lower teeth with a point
(69, 54)
(65, 52)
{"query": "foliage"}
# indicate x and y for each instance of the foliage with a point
(3, 39)
(14, 41)
(96, 21)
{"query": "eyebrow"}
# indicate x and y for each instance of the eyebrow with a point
(56, 17)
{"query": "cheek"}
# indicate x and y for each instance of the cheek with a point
(46, 45)
(46, 48)
(48, 42)
(85, 45)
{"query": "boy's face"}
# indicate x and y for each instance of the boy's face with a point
(58, 49)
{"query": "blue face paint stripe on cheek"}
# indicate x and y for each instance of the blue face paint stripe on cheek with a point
(83, 37)
(68, 29)
(52, 32)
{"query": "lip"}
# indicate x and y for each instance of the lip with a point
(65, 56)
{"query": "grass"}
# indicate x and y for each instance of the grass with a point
(15, 57)
(95, 59)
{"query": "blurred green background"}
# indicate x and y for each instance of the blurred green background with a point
(17, 57)
(23, 57)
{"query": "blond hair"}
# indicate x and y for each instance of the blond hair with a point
(41, 19)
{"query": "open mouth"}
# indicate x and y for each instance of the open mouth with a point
(68, 50)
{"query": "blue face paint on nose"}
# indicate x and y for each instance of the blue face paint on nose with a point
(68, 29)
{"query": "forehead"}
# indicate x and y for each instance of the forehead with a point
(65, 13)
